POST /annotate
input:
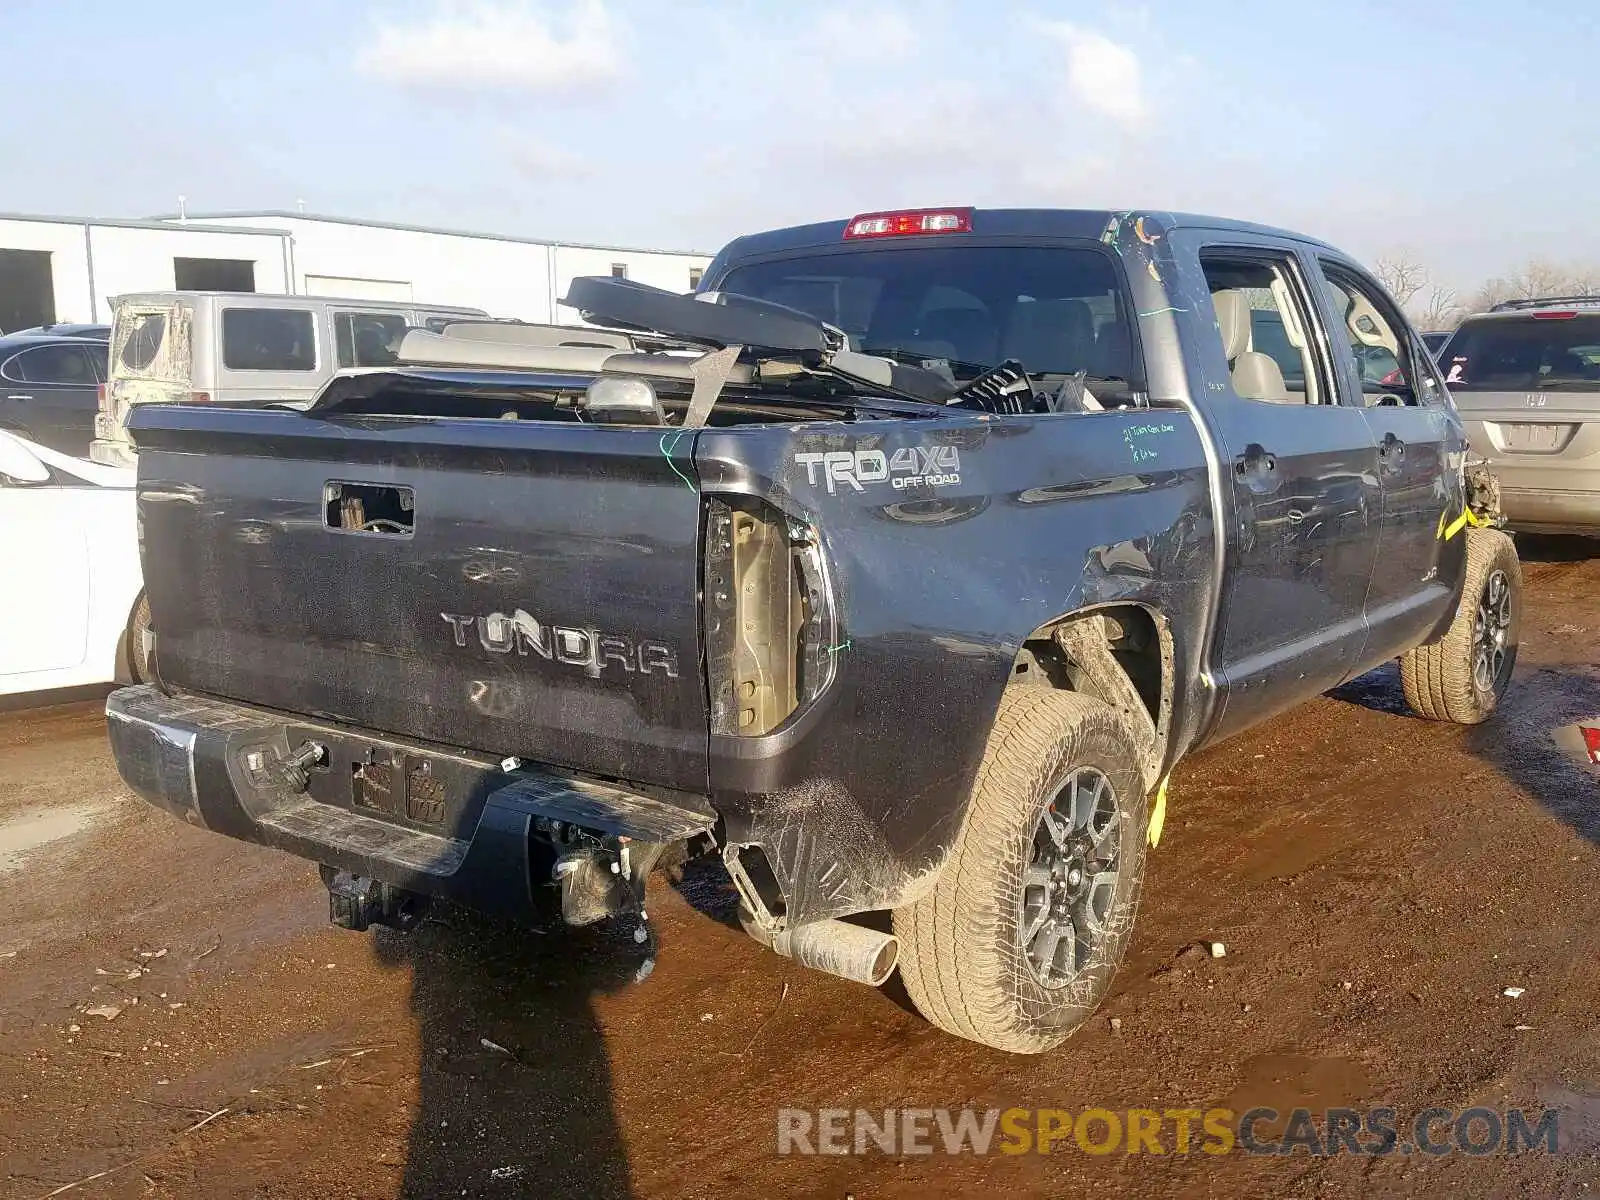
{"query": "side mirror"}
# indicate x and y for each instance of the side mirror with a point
(18, 462)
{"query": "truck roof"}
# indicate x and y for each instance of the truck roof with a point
(1067, 223)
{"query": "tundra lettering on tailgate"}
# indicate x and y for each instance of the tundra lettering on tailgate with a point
(590, 649)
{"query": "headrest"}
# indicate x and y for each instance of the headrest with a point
(1233, 319)
(1050, 334)
(1258, 377)
(970, 330)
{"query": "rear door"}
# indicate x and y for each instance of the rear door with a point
(53, 391)
(522, 588)
(1528, 386)
(1392, 379)
(1301, 470)
(151, 360)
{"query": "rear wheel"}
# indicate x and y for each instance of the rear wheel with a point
(138, 626)
(1463, 675)
(1016, 945)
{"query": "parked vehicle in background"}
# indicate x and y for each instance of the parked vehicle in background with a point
(897, 567)
(50, 388)
(1435, 341)
(72, 608)
(1526, 379)
(242, 348)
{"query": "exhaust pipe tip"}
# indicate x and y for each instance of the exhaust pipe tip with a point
(851, 952)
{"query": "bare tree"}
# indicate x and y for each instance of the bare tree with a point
(1540, 278)
(1442, 309)
(1535, 278)
(1402, 275)
(1490, 293)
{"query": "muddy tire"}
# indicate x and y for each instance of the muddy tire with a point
(1463, 675)
(138, 666)
(1016, 945)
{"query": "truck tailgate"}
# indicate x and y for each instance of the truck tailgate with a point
(516, 587)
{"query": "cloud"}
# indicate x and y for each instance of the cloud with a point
(1102, 75)
(497, 45)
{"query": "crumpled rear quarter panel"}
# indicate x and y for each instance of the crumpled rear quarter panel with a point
(857, 800)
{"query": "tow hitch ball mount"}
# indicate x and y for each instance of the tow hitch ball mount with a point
(358, 902)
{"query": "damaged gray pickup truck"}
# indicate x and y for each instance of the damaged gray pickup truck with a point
(897, 567)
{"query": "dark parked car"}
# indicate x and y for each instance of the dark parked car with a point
(50, 387)
(96, 333)
(900, 584)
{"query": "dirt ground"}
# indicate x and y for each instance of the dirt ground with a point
(1378, 882)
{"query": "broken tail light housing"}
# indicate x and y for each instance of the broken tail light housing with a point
(909, 223)
(769, 618)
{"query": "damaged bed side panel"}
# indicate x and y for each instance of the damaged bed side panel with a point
(949, 543)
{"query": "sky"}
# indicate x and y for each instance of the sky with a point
(1459, 130)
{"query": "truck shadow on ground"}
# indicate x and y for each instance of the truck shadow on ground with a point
(515, 1084)
(1519, 738)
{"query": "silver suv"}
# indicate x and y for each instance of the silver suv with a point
(1526, 379)
(242, 348)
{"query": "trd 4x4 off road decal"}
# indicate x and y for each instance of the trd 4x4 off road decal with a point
(907, 467)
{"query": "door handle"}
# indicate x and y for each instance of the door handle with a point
(1256, 463)
(15, 396)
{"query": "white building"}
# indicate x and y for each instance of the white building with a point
(64, 269)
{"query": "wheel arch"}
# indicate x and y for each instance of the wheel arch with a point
(1121, 653)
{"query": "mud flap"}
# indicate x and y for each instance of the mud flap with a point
(1158, 812)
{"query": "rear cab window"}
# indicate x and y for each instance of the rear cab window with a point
(1058, 311)
(269, 339)
(1525, 353)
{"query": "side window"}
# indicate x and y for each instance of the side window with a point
(69, 365)
(268, 339)
(1380, 344)
(368, 339)
(1262, 320)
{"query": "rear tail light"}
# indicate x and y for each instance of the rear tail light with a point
(769, 617)
(100, 395)
(1591, 742)
(910, 223)
(1562, 315)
